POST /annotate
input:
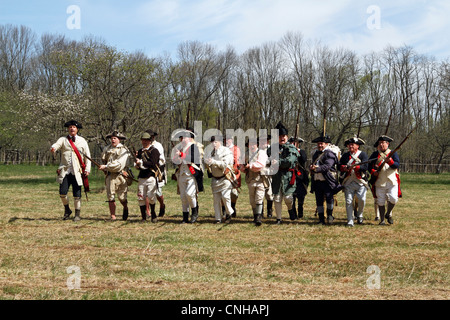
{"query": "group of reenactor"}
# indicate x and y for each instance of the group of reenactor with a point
(276, 172)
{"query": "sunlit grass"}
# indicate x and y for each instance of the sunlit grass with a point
(169, 260)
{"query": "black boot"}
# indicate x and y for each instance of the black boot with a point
(258, 215)
(162, 210)
(292, 214)
(153, 213)
(233, 206)
(269, 208)
(300, 209)
(125, 214)
(330, 217)
(194, 216)
(185, 217)
(67, 212)
(321, 218)
(143, 213)
(382, 210)
(390, 207)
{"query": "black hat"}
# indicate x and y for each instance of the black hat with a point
(151, 132)
(322, 138)
(356, 140)
(217, 138)
(192, 133)
(117, 134)
(282, 129)
(73, 123)
(253, 140)
(383, 138)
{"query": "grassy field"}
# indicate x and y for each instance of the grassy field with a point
(168, 260)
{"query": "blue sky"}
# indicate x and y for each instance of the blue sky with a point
(158, 26)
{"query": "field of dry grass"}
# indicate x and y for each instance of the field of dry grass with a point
(168, 260)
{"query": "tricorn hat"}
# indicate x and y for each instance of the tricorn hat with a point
(217, 137)
(282, 129)
(356, 140)
(383, 138)
(151, 132)
(180, 133)
(322, 138)
(117, 134)
(73, 123)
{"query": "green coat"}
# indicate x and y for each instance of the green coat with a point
(288, 155)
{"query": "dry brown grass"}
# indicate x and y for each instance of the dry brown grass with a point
(168, 261)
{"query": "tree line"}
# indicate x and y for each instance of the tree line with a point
(48, 80)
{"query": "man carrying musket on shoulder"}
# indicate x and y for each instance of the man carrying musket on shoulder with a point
(147, 160)
(115, 159)
(73, 169)
(353, 167)
(385, 180)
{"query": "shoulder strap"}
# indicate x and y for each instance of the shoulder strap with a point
(82, 164)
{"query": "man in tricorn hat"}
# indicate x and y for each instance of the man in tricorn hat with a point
(387, 179)
(217, 163)
(324, 180)
(283, 181)
(147, 159)
(354, 177)
(189, 175)
(115, 159)
(163, 170)
(73, 166)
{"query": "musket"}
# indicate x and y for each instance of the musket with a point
(360, 163)
(389, 156)
(187, 115)
(98, 166)
(297, 127)
(374, 178)
(389, 123)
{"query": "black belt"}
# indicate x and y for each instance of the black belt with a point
(219, 177)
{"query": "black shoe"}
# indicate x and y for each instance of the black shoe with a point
(125, 214)
(292, 214)
(278, 221)
(194, 216)
(162, 211)
(185, 217)
(390, 220)
(258, 221)
(228, 218)
(360, 220)
(67, 212)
